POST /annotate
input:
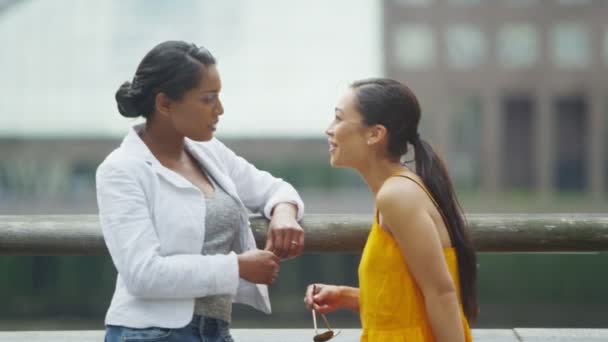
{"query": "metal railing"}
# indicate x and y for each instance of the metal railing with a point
(81, 234)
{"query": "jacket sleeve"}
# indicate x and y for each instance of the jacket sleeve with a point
(134, 246)
(258, 190)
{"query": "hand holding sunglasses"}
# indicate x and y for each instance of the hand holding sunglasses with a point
(326, 335)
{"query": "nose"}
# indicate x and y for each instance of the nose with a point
(329, 131)
(219, 108)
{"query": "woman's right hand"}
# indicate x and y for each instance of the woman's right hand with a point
(258, 266)
(323, 298)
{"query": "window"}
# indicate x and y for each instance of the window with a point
(571, 46)
(414, 46)
(466, 46)
(606, 46)
(574, 2)
(465, 2)
(518, 145)
(521, 3)
(418, 3)
(82, 178)
(570, 143)
(465, 156)
(518, 45)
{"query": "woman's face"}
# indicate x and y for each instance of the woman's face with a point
(197, 113)
(347, 134)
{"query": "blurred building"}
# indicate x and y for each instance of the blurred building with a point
(514, 95)
(514, 92)
(58, 117)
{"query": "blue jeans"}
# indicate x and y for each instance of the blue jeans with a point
(200, 329)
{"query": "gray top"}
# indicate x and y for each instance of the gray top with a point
(221, 235)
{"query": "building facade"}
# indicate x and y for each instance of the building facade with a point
(514, 92)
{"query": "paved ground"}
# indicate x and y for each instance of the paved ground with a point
(350, 335)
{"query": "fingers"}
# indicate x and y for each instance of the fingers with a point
(308, 297)
(273, 257)
(318, 305)
(320, 296)
(275, 265)
(281, 244)
(274, 277)
(272, 267)
(315, 296)
(258, 266)
(296, 243)
(274, 260)
(280, 241)
(288, 242)
(285, 237)
(321, 299)
(293, 243)
(323, 309)
(270, 241)
(301, 243)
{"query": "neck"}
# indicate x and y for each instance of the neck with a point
(376, 171)
(165, 144)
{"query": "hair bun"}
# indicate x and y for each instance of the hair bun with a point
(127, 100)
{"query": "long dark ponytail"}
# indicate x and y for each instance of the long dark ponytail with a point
(433, 172)
(389, 103)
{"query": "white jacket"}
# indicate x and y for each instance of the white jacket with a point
(153, 222)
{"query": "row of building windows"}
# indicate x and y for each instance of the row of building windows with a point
(518, 139)
(519, 45)
(424, 3)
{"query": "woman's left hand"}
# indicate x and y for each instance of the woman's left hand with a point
(285, 235)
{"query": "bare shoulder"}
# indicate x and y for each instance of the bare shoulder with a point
(399, 194)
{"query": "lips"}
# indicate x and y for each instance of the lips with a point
(332, 146)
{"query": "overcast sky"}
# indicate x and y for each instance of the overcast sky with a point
(283, 63)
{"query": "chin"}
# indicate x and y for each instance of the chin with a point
(201, 138)
(334, 162)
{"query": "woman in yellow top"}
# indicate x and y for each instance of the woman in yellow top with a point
(418, 271)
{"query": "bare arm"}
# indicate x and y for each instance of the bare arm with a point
(349, 297)
(399, 202)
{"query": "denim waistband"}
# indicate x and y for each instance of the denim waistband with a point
(200, 328)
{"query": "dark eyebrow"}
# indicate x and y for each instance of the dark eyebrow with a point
(339, 110)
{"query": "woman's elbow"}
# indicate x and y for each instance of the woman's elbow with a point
(443, 291)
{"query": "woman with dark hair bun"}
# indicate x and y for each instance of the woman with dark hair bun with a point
(173, 205)
(417, 276)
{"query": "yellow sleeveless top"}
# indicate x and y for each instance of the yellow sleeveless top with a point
(391, 305)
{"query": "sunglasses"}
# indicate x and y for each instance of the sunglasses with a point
(326, 335)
